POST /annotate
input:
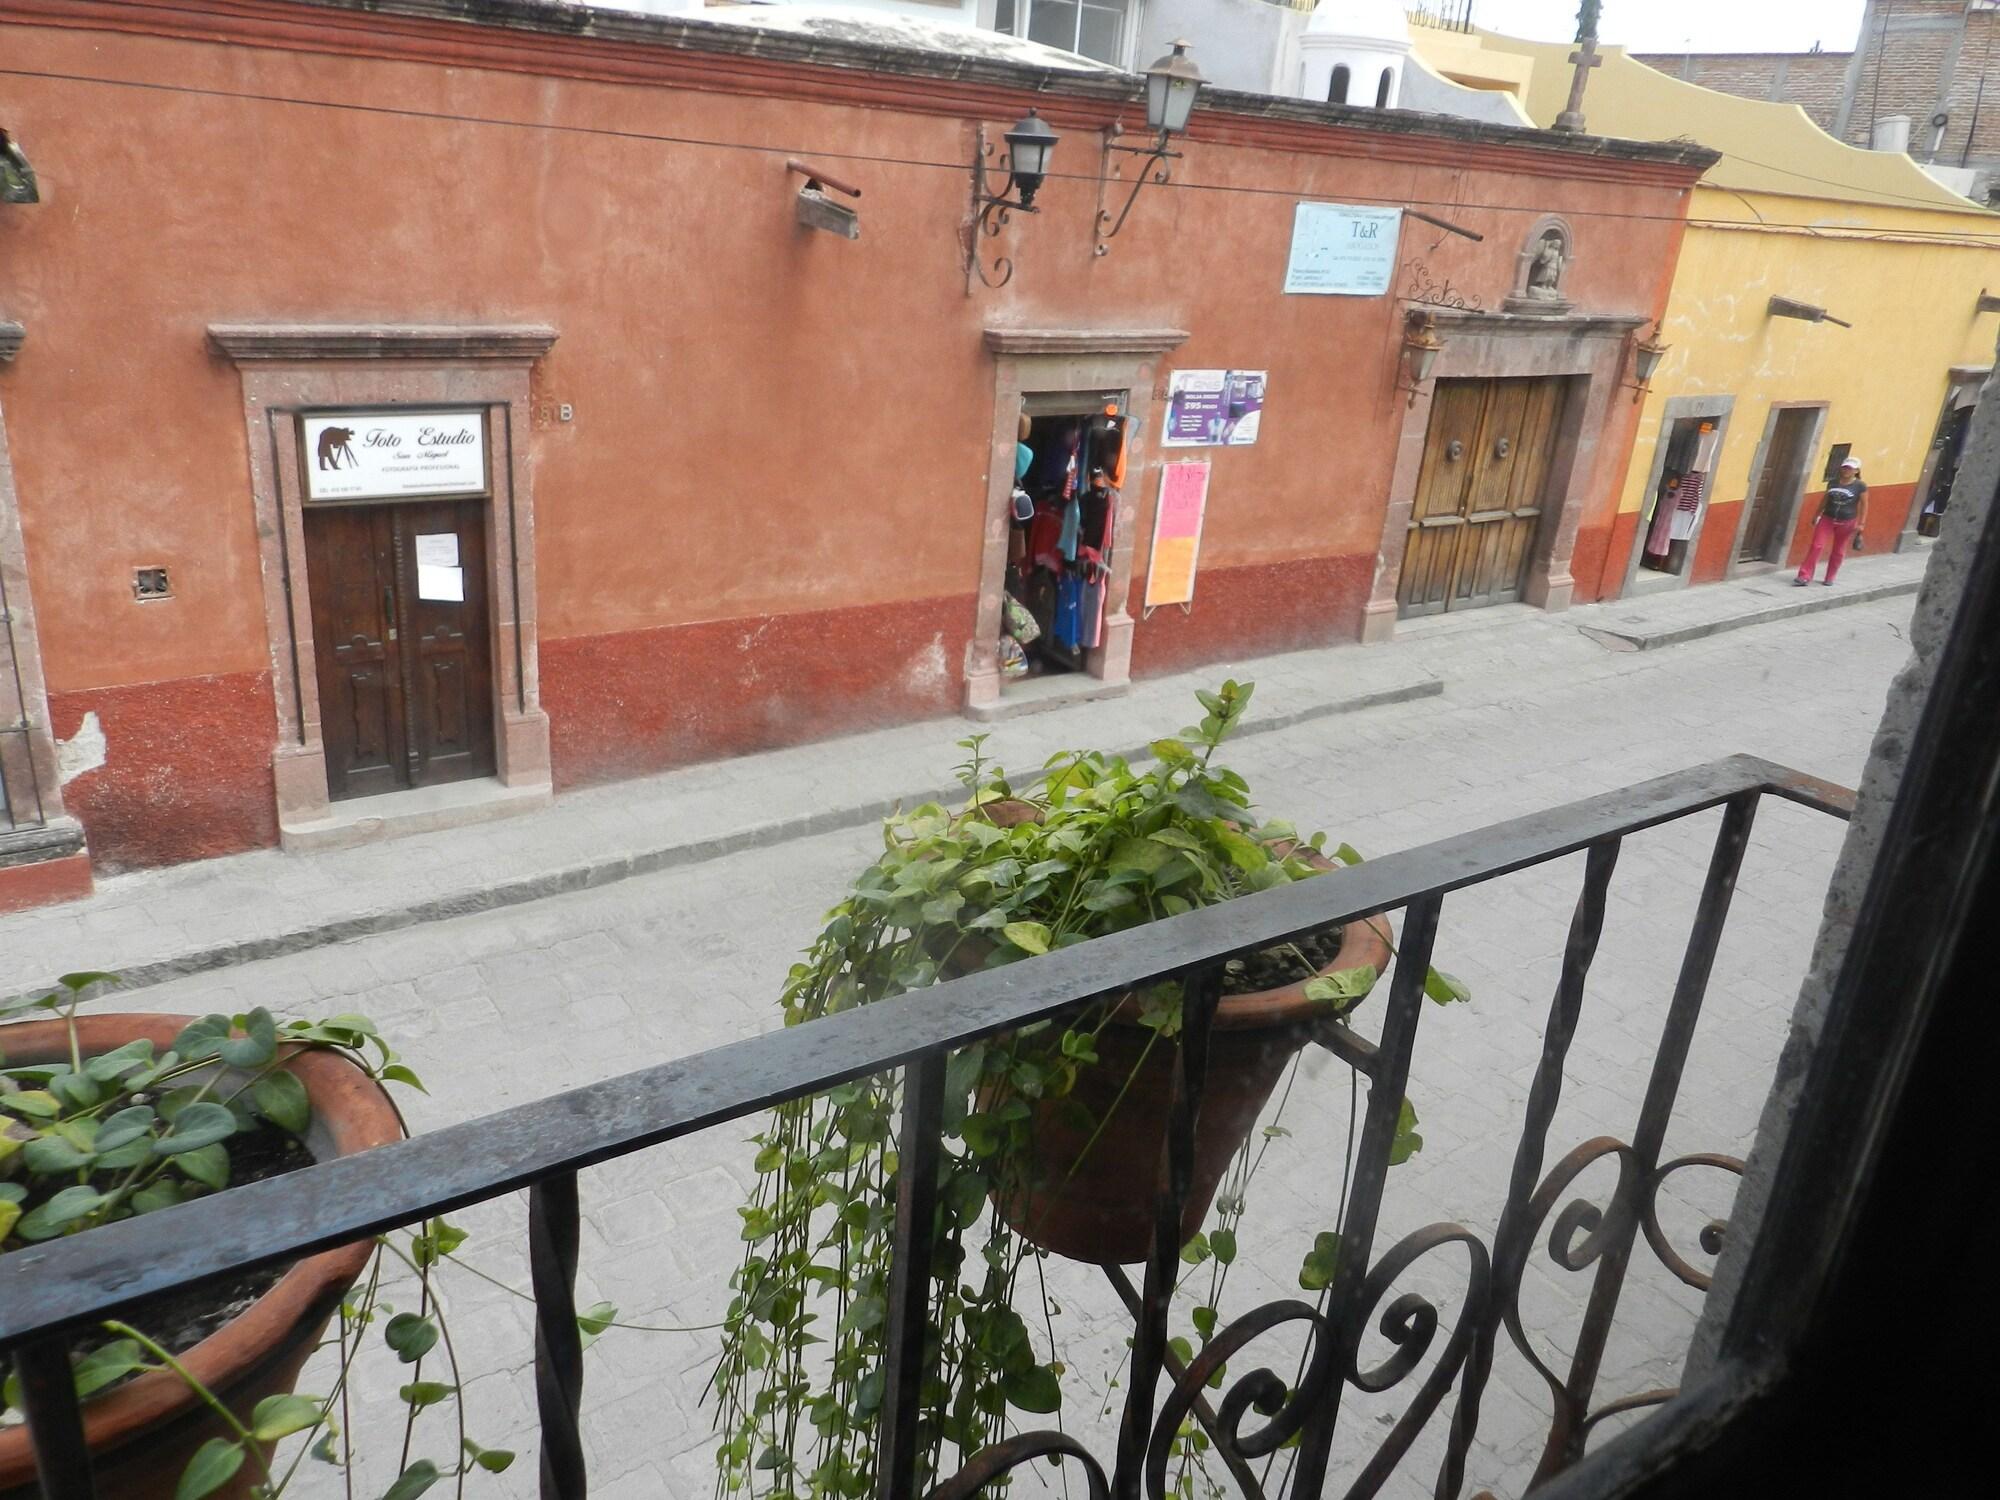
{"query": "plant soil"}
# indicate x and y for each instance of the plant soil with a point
(1288, 963)
(179, 1320)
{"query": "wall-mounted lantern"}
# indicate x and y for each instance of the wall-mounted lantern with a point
(1172, 83)
(1030, 145)
(1646, 357)
(1421, 348)
(1787, 307)
(17, 178)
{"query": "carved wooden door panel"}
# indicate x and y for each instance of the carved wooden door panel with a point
(1778, 485)
(351, 574)
(1488, 455)
(401, 643)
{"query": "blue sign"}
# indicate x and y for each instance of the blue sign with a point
(1338, 251)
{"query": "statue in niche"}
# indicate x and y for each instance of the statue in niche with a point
(1545, 274)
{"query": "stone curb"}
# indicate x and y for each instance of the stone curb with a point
(1647, 640)
(611, 868)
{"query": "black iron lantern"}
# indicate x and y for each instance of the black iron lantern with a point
(17, 178)
(1030, 144)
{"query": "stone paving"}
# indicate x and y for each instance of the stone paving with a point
(499, 1007)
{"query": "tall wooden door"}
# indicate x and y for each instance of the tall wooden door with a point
(1780, 483)
(402, 642)
(1488, 454)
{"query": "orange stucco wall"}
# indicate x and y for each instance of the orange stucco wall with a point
(769, 423)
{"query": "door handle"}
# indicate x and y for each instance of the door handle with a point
(389, 610)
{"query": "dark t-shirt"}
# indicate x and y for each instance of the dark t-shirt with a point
(1843, 500)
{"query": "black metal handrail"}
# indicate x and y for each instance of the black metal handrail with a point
(49, 1291)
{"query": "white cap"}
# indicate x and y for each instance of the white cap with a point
(1851, 463)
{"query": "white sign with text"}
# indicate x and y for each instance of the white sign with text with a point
(372, 455)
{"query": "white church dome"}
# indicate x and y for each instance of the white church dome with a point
(1367, 23)
(1353, 51)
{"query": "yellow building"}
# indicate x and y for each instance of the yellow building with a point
(1827, 301)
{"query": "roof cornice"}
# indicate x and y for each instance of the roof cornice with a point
(531, 36)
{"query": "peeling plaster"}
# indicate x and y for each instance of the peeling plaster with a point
(83, 752)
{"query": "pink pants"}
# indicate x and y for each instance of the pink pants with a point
(1825, 531)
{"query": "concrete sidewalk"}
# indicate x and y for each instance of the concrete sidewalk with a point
(156, 925)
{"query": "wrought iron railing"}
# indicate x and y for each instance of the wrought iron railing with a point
(49, 1292)
(1441, 15)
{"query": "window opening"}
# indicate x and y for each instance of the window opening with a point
(1068, 468)
(1337, 93)
(1382, 89)
(1091, 28)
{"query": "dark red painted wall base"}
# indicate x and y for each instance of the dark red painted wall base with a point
(1587, 561)
(1610, 578)
(645, 700)
(187, 770)
(1255, 610)
(44, 882)
(1718, 542)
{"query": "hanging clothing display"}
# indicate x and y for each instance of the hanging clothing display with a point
(1687, 507)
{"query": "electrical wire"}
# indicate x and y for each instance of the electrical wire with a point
(960, 167)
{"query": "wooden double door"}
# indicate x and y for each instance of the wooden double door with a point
(402, 641)
(1787, 456)
(1488, 455)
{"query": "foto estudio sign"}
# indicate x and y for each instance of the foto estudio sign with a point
(373, 455)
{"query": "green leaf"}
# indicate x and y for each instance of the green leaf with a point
(1445, 988)
(1171, 752)
(1144, 855)
(107, 1066)
(1109, 900)
(214, 1463)
(161, 1192)
(1343, 985)
(1031, 937)
(197, 1125)
(70, 1206)
(397, 1073)
(201, 1039)
(1347, 854)
(33, 1104)
(126, 1126)
(942, 910)
(281, 1416)
(77, 1090)
(593, 1320)
(423, 1393)
(1196, 1250)
(323, 1450)
(1316, 1274)
(104, 1366)
(1035, 1389)
(258, 1044)
(410, 1336)
(492, 1460)
(1204, 1323)
(75, 983)
(1223, 1243)
(10, 1213)
(1407, 1142)
(281, 1099)
(52, 1156)
(419, 1477)
(208, 1166)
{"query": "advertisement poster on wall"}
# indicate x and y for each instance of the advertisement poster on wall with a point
(384, 455)
(1214, 408)
(1177, 533)
(1339, 251)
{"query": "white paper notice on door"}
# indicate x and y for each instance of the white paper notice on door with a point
(437, 549)
(441, 583)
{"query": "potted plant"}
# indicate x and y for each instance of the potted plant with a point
(1051, 1133)
(109, 1117)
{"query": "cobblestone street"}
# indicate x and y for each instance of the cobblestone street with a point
(505, 1006)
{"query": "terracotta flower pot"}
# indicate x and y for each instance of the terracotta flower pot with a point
(1100, 1210)
(142, 1433)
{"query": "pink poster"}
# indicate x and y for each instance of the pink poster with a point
(1177, 533)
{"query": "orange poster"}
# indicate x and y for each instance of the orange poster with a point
(1177, 533)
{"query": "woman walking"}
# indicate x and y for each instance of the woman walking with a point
(1841, 515)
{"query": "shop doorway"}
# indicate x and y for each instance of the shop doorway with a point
(1781, 481)
(1488, 455)
(1069, 467)
(402, 643)
(1679, 503)
(1947, 449)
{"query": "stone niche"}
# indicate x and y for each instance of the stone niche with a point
(1542, 270)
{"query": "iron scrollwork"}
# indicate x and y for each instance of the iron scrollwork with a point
(1002, 1458)
(1424, 288)
(991, 213)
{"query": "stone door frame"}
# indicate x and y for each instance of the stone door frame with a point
(1680, 409)
(1962, 387)
(1786, 526)
(288, 369)
(1592, 351)
(1047, 362)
